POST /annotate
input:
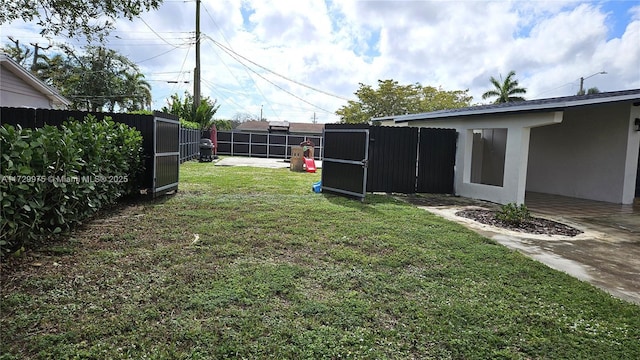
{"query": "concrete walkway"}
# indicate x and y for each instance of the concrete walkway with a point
(606, 254)
(270, 163)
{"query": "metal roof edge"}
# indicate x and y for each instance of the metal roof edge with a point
(540, 105)
(472, 112)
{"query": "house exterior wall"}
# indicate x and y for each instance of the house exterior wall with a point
(516, 155)
(14, 92)
(592, 154)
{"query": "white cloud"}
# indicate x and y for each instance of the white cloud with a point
(335, 45)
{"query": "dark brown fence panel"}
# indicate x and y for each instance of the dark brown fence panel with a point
(167, 154)
(24, 117)
(189, 144)
(400, 159)
(264, 145)
(241, 149)
(345, 177)
(259, 138)
(224, 142)
(393, 155)
(345, 145)
(166, 139)
(167, 170)
(344, 165)
(437, 160)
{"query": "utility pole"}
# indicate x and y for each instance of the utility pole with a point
(196, 75)
(581, 91)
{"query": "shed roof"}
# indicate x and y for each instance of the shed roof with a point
(549, 104)
(295, 128)
(19, 71)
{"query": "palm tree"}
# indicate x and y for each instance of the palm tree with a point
(136, 92)
(505, 90)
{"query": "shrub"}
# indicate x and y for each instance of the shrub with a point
(513, 214)
(54, 178)
(189, 124)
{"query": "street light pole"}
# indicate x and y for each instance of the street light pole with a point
(582, 79)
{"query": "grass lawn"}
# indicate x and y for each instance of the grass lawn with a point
(250, 263)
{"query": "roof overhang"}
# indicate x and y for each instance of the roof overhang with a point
(542, 105)
(32, 80)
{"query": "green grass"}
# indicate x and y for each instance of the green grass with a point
(250, 263)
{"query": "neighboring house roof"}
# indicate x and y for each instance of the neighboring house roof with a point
(550, 104)
(306, 128)
(294, 128)
(54, 97)
(253, 126)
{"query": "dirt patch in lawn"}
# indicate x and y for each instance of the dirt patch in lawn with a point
(532, 226)
(484, 213)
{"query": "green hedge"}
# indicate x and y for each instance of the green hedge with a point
(54, 178)
(189, 124)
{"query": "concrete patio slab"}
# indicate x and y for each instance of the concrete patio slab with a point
(606, 254)
(257, 162)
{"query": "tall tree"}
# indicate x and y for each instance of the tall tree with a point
(101, 78)
(92, 19)
(136, 92)
(95, 79)
(505, 90)
(590, 91)
(203, 114)
(391, 98)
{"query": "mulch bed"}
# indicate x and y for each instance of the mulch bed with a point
(532, 226)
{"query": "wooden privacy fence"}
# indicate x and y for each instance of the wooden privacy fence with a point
(160, 139)
(267, 145)
(362, 158)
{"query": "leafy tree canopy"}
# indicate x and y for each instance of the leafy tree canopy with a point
(590, 91)
(202, 115)
(92, 19)
(392, 98)
(505, 90)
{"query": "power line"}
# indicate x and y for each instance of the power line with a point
(275, 73)
(257, 87)
(210, 86)
(158, 35)
(231, 72)
(231, 53)
(157, 56)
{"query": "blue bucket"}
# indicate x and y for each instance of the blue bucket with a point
(317, 187)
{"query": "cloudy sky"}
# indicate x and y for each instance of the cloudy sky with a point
(294, 60)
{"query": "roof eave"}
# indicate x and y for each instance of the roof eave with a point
(549, 107)
(29, 78)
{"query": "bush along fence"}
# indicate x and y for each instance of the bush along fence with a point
(55, 177)
(160, 140)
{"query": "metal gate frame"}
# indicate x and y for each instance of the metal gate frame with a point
(163, 156)
(360, 163)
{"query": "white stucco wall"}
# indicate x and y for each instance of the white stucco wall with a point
(14, 92)
(516, 157)
(592, 154)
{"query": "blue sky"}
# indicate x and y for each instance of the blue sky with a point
(292, 60)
